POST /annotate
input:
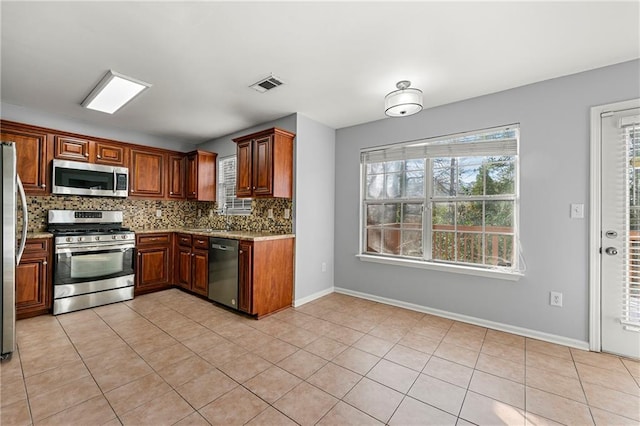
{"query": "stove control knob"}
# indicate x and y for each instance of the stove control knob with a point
(97, 238)
(124, 237)
(113, 237)
(80, 239)
(69, 239)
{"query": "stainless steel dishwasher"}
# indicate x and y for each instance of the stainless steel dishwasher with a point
(223, 271)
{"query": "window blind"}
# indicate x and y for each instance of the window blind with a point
(630, 138)
(227, 188)
(499, 142)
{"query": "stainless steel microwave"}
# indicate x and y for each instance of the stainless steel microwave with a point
(76, 178)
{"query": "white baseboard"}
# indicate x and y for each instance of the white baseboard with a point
(547, 337)
(299, 302)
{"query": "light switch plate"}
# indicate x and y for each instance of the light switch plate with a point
(577, 211)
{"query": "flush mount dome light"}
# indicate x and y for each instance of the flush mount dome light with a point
(113, 92)
(404, 101)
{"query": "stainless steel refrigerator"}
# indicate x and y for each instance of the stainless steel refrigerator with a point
(10, 255)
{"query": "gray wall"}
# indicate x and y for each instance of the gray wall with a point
(554, 147)
(59, 122)
(314, 207)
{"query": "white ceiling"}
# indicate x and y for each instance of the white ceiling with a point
(338, 59)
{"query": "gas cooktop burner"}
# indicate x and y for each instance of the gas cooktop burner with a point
(73, 226)
(87, 231)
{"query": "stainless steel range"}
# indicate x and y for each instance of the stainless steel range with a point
(93, 259)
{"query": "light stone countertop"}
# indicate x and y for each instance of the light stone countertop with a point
(38, 234)
(234, 235)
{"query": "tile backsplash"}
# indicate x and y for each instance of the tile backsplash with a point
(141, 214)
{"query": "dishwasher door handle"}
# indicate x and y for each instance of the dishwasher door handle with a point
(221, 247)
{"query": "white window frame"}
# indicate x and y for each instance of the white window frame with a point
(230, 204)
(514, 273)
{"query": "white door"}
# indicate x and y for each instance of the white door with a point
(620, 232)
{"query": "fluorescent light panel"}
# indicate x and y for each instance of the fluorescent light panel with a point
(113, 92)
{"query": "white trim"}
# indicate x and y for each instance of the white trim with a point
(534, 334)
(444, 267)
(595, 217)
(299, 302)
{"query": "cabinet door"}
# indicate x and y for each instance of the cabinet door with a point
(31, 149)
(262, 166)
(200, 274)
(192, 176)
(153, 267)
(176, 176)
(244, 170)
(183, 267)
(245, 278)
(114, 155)
(147, 174)
(32, 286)
(73, 149)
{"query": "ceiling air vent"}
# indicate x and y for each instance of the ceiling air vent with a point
(268, 83)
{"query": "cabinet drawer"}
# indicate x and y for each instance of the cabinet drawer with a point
(154, 239)
(36, 246)
(200, 242)
(184, 240)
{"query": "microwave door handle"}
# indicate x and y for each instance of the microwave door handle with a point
(25, 222)
(115, 181)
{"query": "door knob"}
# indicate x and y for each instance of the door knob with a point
(611, 251)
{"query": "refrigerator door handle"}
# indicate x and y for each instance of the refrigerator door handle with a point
(25, 222)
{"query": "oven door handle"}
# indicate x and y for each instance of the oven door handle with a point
(81, 249)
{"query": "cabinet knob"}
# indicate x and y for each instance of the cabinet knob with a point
(241, 252)
(44, 262)
(193, 254)
(170, 192)
(139, 253)
(99, 156)
(43, 185)
(132, 190)
(86, 154)
(254, 187)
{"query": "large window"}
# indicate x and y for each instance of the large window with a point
(227, 189)
(450, 200)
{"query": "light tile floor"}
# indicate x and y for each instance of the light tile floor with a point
(172, 358)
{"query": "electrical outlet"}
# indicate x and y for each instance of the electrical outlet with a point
(323, 267)
(287, 213)
(555, 299)
(270, 214)
(158, 213)
(210, 213)
(199, 212)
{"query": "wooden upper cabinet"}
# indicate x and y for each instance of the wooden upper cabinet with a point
(264, 166)
(244, 169)
(89, 151)
(176, 176)
(201, 176)
(33, 155)
(111, 154)
(73, 149)
(147, 173)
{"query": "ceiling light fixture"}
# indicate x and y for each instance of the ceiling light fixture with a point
(404, 101)
(113, 92)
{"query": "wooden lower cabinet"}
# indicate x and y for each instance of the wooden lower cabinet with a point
(153, 263)
(33, 279)
(265, 276)
(192, 263)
